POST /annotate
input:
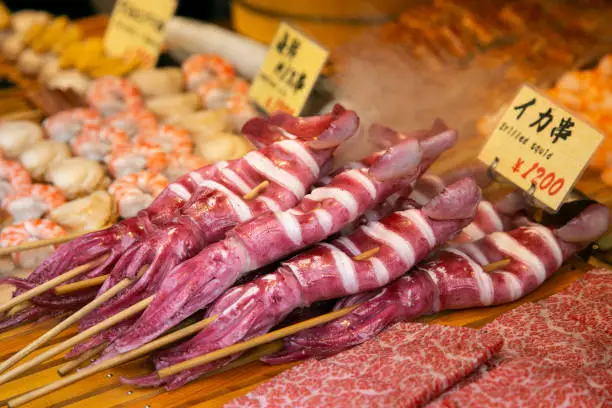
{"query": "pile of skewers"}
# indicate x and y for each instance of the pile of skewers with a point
(208, 247)
(114, 157)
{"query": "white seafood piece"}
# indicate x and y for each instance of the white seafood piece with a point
(223, 146)
(49, 69)
(77, 176)
(12, 46)
(43, 156)
(30, 62)
(22, 20)
(158, 81)
(202, 124)
(175, 104)
(16, 136)
(87, 213)
(70, 79)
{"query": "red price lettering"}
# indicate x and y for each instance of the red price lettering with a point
(548, 182)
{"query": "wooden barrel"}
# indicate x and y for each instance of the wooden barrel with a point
(331, 22)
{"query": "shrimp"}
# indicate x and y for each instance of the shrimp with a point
(33, 202)
(216, 92)
(137, 122)
(13, 178)
(16, 136)
(111, 95)
(31, 230)
(95, 142)
(181, 164)
(65, 126)
(203, 67)
(170, 139)
(136, 191)
(127, 159)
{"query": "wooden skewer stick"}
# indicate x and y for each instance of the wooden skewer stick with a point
(64, 324)
(78, 338)
(254, 342)
(111, 362)
(40, 289)
(366, 254)
(41, 243)
(257, 190)
(84, 284)
(18, 309)
(496, 265)
(86, 356)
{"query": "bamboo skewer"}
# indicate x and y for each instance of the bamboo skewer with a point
(257, 190)
(254, 342)
(366, 254)
(64, 324)
(40, 289)
(86, 356)
(496, 265)
(112, 362)
(76, 339)
(84, 284)
(41, 243)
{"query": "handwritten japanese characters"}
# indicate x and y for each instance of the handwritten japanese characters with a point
(540, 147)
(137, 28)
(289, 72)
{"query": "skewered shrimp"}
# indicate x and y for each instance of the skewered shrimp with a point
(181, 164)
(77, 176)
(134, 158)
(170, 139)
(13, 178)
(201, 68)
(31, 230)
(16, 136)
(42, 156)
(65, 126)
(33, 202)
(241, 110)
(95, 142)
(138, 122)
(136, 191)
(111, 95)
(217, 92)
(158, 81)
(86, 213)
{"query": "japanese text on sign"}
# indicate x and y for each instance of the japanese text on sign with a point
(540, 147)
(289, 72)
(137, 29)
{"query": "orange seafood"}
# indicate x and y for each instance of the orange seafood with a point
(181, 164)
(65, 126)
(216, 92)
(33, 202)
(30, 230)
(136, 191)
(201, 68)
(13, 178)
(112, 95)
(170, 139)
(95, 142)
(135, 122)
(127, 159)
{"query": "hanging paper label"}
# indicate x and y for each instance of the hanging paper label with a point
(137, 29)
(541, 147)
(290, 70)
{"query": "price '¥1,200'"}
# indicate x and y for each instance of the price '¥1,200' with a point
(540, 146)
(288, 74)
